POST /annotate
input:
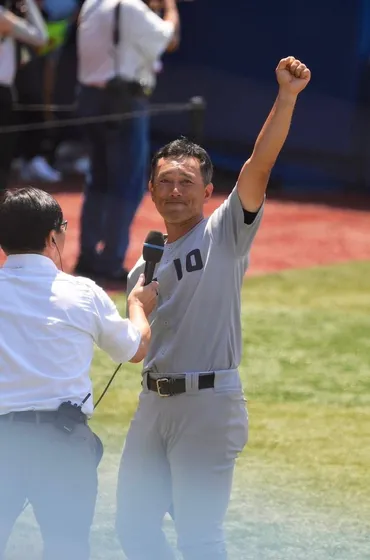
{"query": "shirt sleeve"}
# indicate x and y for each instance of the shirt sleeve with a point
(229, 227)
(148, 31)
(117, 336)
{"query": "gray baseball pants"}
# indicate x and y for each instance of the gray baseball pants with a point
(180, 453)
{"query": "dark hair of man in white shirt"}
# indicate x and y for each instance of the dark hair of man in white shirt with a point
(31, 221)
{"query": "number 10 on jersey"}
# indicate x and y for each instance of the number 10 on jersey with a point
(193, 262)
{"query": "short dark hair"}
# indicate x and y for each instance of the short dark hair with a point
(27, 216)
(183, 148)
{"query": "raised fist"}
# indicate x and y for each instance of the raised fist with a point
(292, 75)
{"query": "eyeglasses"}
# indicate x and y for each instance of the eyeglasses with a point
(63, 225)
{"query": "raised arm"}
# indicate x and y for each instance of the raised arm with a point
(151, 34)
(140, 304)
(292, 76)
(171, 14)
(31, 31)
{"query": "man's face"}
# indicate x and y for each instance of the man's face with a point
(178, 189)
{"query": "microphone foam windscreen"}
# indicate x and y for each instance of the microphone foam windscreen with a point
(153, 247)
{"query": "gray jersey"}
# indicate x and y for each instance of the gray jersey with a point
(196, 326)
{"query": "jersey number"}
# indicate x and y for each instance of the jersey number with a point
(193, 262)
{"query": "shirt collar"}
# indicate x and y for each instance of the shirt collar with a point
(29, 260)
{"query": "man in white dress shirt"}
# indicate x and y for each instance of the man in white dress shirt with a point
(49, 322)
(118, 40)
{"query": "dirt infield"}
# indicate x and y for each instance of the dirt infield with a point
(293, 235)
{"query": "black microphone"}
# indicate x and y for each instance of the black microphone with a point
(152, 253)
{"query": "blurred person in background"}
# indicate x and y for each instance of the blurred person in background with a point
(70, 152)
(35, 85)
(119, 45)
(21, 23)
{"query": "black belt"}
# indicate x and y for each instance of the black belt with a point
(170, 386)
(138, 90)
(34, 416)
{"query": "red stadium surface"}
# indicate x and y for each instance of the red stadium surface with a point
(293, 235)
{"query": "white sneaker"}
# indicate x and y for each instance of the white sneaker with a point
(39, 169)
(82, 165)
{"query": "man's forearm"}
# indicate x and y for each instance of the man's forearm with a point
(171, 14)
(274, 133)
(256, 171)
(138, 318)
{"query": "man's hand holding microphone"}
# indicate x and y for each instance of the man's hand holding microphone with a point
(144, 296)
(140, 303)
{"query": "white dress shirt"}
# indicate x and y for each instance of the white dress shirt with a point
(144, 38)
(49, 322)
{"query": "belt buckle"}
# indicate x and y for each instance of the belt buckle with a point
(159, 386)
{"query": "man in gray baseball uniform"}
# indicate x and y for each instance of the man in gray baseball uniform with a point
(181, 450)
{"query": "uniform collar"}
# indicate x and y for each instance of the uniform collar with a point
(29, 260)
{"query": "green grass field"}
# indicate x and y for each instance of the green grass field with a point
(302, 487)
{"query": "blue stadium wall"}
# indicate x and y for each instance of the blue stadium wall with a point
(228, 54)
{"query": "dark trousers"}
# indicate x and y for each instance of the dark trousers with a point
(31, 91)
(57, 473)
(7, 141)
(119, 157)
(64, 92)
